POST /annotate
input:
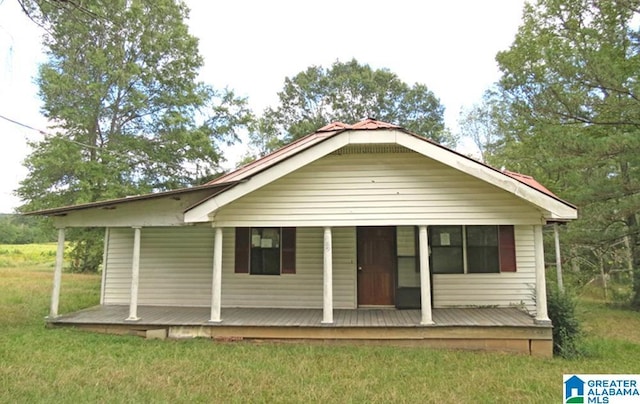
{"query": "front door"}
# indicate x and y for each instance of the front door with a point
(376, 266)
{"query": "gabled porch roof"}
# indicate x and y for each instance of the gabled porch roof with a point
(337, 135)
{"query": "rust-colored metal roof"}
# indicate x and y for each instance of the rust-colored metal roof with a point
(370, 124)
(273, 158)
(232, 178)
(365, 124)
(299, 145)
(335, 128)
(529, 180)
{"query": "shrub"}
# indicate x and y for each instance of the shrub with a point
(566, 326)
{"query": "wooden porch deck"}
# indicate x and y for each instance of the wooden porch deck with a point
(256, 317)
(503, 329)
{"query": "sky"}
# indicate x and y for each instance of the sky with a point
(251, 46)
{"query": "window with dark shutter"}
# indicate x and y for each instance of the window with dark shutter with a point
(472, 249)
(507, 249)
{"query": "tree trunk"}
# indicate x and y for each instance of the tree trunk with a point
(634, 240)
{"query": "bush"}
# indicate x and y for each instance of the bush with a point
(566, 326)
(86, 249)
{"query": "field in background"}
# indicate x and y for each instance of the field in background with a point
(65, 365)
(20, 255)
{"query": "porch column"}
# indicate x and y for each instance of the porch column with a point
(135, 276)
(327, 296)
(556, 237)
(541, 287)
(105, 256)
(425, 277)
(216, 283)
(57, 275)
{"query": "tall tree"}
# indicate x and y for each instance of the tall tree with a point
(348, 92)
(120, 86)
(572, 82)
(481, 124)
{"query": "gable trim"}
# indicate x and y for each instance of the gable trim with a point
(203, 212)
(262, 174)
(557, 209)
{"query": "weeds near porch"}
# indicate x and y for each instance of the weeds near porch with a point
(566, 326)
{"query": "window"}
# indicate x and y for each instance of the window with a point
(446, 249)
(472, 249)
(407, 250)
(482, 249)
(265, 250)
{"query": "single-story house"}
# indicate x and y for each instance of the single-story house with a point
(355, 232)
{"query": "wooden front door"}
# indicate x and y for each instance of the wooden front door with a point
(376, 265)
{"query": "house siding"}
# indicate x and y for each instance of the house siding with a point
(302, 289)
(503, 289)
(175, 266)
(176, 269)
(403, 188)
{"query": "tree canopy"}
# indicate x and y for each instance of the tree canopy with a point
(481, 124)
(120, 85)
(572, 90)
(129, 115)
(348, 92)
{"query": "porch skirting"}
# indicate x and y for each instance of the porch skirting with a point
(502, 329)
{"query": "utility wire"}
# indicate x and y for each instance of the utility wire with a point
(24, 125)
(88, 146)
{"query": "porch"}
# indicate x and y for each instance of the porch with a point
(502, 329)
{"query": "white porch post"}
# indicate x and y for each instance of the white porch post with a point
(105, 256)
(135, 276)
(556, 237)
(327, 296)
(425, 277)
(216, 283)
(541, 287)
(57, 275)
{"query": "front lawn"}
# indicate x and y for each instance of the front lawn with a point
(65, 365)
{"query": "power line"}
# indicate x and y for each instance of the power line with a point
(24, 125)
(43, 133)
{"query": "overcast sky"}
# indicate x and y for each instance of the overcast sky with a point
(251, 46)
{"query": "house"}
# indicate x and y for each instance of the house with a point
(363, 231)
(574, 387)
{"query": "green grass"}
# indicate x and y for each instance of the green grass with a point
(21, 255)
(69, 366)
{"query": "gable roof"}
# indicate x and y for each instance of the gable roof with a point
(327, 139)
(333, 129)
(341, 134)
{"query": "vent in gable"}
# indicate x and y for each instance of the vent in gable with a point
(371, 148)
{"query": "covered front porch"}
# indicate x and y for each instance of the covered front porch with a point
(501, 329)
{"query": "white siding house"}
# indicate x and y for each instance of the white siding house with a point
(351, 216)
